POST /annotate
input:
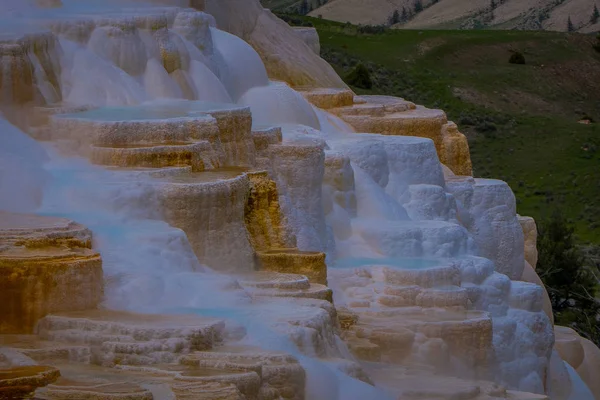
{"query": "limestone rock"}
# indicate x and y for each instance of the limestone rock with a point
(286, 56)
(487, 207)
(227, 127)
(558, 383)
(207, 391)
(309, 263)
(529, 275)
(265, 222)
(275, 284)
(266, 136)
(18, 82)
(122, 45)
(420, 121)
(298, 169)
(199, 155)
(259, 176)
(530, 235)
(48, 266)
(281, 375)
(329, 98)
(393, 312)
(194, 203)
(195, 27)
(20, 382)
(395, 116)
(568, 345)
(172, 51)
(339, 176)
(310, 36)
(454, 150)
(588, 369)
(65, 389)
(132, 339)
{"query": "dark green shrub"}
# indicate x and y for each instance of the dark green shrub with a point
(294, 21)
(371, 29)
(517, 58)
(568, 276)
(360, 77)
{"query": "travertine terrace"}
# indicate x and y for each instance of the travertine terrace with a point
(194, 206)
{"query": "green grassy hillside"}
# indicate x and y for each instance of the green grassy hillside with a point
(521, 120)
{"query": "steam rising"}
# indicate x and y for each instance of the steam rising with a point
(391, 208)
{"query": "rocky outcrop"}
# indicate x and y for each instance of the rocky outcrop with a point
(431, 291)
(68, 389)
(265, 222)
(47, 266)
(30, 72)
(21, 382)
(529, 275)
(530, 235)
(310, 37)
(285, 55)
(394, 116)
(309, 263)
(210, 209)
(580, 354)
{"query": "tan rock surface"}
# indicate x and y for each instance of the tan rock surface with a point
(18, 83)
(149, 129)
(20, 382)
(47, 266)
(329, 98)
(265, 222)
(530, 234)
(286, 56)
(412, 315)
(310, 36)
(568, 345)
(275, 284)
(199, 155)
(454, 150)
(395, 116)
(309, 263)
(65, 389)
(195, 203)
(529, 275)
(588, 369)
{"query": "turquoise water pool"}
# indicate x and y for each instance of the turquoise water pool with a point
(166, 110)
(398, 262)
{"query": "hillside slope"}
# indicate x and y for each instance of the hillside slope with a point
(452, 14)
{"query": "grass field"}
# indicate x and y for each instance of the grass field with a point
(521, 120)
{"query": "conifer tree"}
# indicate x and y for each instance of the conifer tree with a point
(418, 6)
(404, 16)
(394, 18)
(595, 15)
(303, 10)
(570, 27)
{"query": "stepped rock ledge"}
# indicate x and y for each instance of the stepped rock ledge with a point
(194, 206)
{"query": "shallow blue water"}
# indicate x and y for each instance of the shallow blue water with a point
(398, 262)
(166, 110)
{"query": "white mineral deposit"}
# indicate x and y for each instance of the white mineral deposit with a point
(194, 206)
